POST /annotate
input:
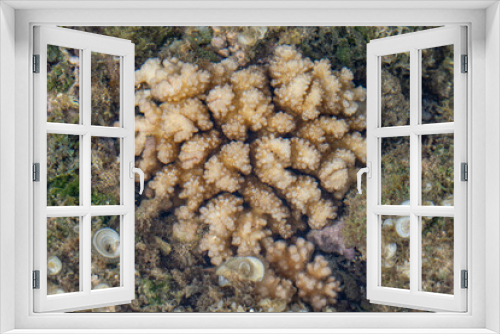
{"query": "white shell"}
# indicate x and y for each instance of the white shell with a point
(74, 60)
(223, 281)
(54, 265)
(403, 227)
(101, 286)
(388, 222)
(246, 39)
(106, 242)
(55, 290)
(404, 269)
(241, 268)
(261, 32)
(390, 250)
(388, 254)
(447, 202)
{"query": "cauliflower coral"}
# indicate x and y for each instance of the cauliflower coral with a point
(244, 158)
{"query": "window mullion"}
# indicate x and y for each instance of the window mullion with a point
(108, 132)
(108, 210)
(414, 169)
(85, 264)
(434, 129)
(85, 171)
(422, 210)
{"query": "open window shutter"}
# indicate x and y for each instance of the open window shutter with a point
(417, 248)
(83, 186)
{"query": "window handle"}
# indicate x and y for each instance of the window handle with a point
(141, 175)
(368, 171)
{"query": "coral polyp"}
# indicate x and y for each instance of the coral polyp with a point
(106, 243)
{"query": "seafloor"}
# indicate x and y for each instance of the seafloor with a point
(250, 139)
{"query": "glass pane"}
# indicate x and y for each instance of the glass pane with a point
(63, 255)
(105, 252)
(63, 82)
(395, 170)
(437, 84)
(395, 89)
(105, 89)
(437, 254)
(395, 252)
(63, 170)
(437, 170)
(105, 171)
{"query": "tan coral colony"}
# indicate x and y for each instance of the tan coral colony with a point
(247, 159)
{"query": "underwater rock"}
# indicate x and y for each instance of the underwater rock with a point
(273, 305)
(330, 240)
(165, 247)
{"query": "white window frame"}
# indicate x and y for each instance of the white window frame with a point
(413, 44)
(87, 44)
(484, 103)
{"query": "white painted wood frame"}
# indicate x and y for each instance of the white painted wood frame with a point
(87, 43)
(17, 18)
(414, 43)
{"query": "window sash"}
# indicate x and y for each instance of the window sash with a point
(413, 43)
(85, 297)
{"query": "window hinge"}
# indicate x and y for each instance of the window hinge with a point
(465, 63)
(464, 171)
(36, 63)
(36, 279)
(36, 172)
(465, 279)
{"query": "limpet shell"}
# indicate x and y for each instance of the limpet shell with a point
(388, 222)
(54, 265)
(240, 268)
(101, 286)
(106, 243)
(388, 255)
(403, 227)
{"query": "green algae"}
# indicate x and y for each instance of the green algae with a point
(63, 170)
(60, 71)
(156, 292)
